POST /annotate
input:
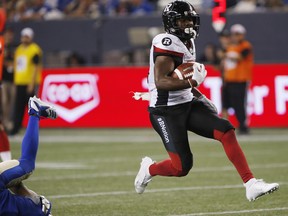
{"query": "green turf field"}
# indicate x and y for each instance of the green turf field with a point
(91, 172)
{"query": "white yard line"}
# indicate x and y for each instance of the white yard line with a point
(163, 190)
(108, 193)
(61, 166)
(67, 166)
(234, 212)
(83, 176)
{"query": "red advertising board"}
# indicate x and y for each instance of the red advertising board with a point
(95, 97)
(101, 96)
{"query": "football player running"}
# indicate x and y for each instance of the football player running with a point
(22, 201)
(175, 109)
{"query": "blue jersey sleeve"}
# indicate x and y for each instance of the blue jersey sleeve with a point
(13, 205)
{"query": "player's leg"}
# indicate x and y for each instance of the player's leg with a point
(205, 122)
(208, 124)
(30, 144)
(5, 153)
(170, 124)
(14, 171)
(173, 132)
(37, 110)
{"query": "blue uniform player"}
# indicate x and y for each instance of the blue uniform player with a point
(15, 198)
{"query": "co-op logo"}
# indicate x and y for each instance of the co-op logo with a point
(73, 95)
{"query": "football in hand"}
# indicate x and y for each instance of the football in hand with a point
(184, 71)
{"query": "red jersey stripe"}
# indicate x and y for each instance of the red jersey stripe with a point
(173, 53)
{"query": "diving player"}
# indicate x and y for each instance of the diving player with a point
(174, 109)
(22, 201)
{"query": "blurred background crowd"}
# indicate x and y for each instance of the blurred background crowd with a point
(60, 26)
(25, 10)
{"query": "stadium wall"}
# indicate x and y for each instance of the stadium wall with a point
(93, 39)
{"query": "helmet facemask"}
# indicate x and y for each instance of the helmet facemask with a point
(176, 11)
(185, 33)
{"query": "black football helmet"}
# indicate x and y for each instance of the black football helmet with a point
(181, 10)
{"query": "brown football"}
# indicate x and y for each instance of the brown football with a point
(183, 71)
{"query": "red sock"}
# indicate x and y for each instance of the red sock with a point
(163, 168)
(234, 153)
(4, 142)
(169, 167)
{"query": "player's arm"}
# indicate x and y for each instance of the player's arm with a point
(165, 65)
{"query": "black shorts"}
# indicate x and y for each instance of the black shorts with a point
(173, 122)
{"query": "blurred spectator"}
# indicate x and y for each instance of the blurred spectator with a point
(207, 5)
(75, 60)
(125, 7)
(62, 4)
(285, 2)
(210, 54)
(154, 3)
(40, 10)
(140, 7)
(20, 13)
(8, 88)
(245, 6)
(224, 42)
(27, 75)
(83, 8)
(122, 7)
(231, 3)
(238, 65)
(274, 4)
(52, 3)
(22, 10)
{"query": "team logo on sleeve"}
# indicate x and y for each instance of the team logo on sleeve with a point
(166, 41)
